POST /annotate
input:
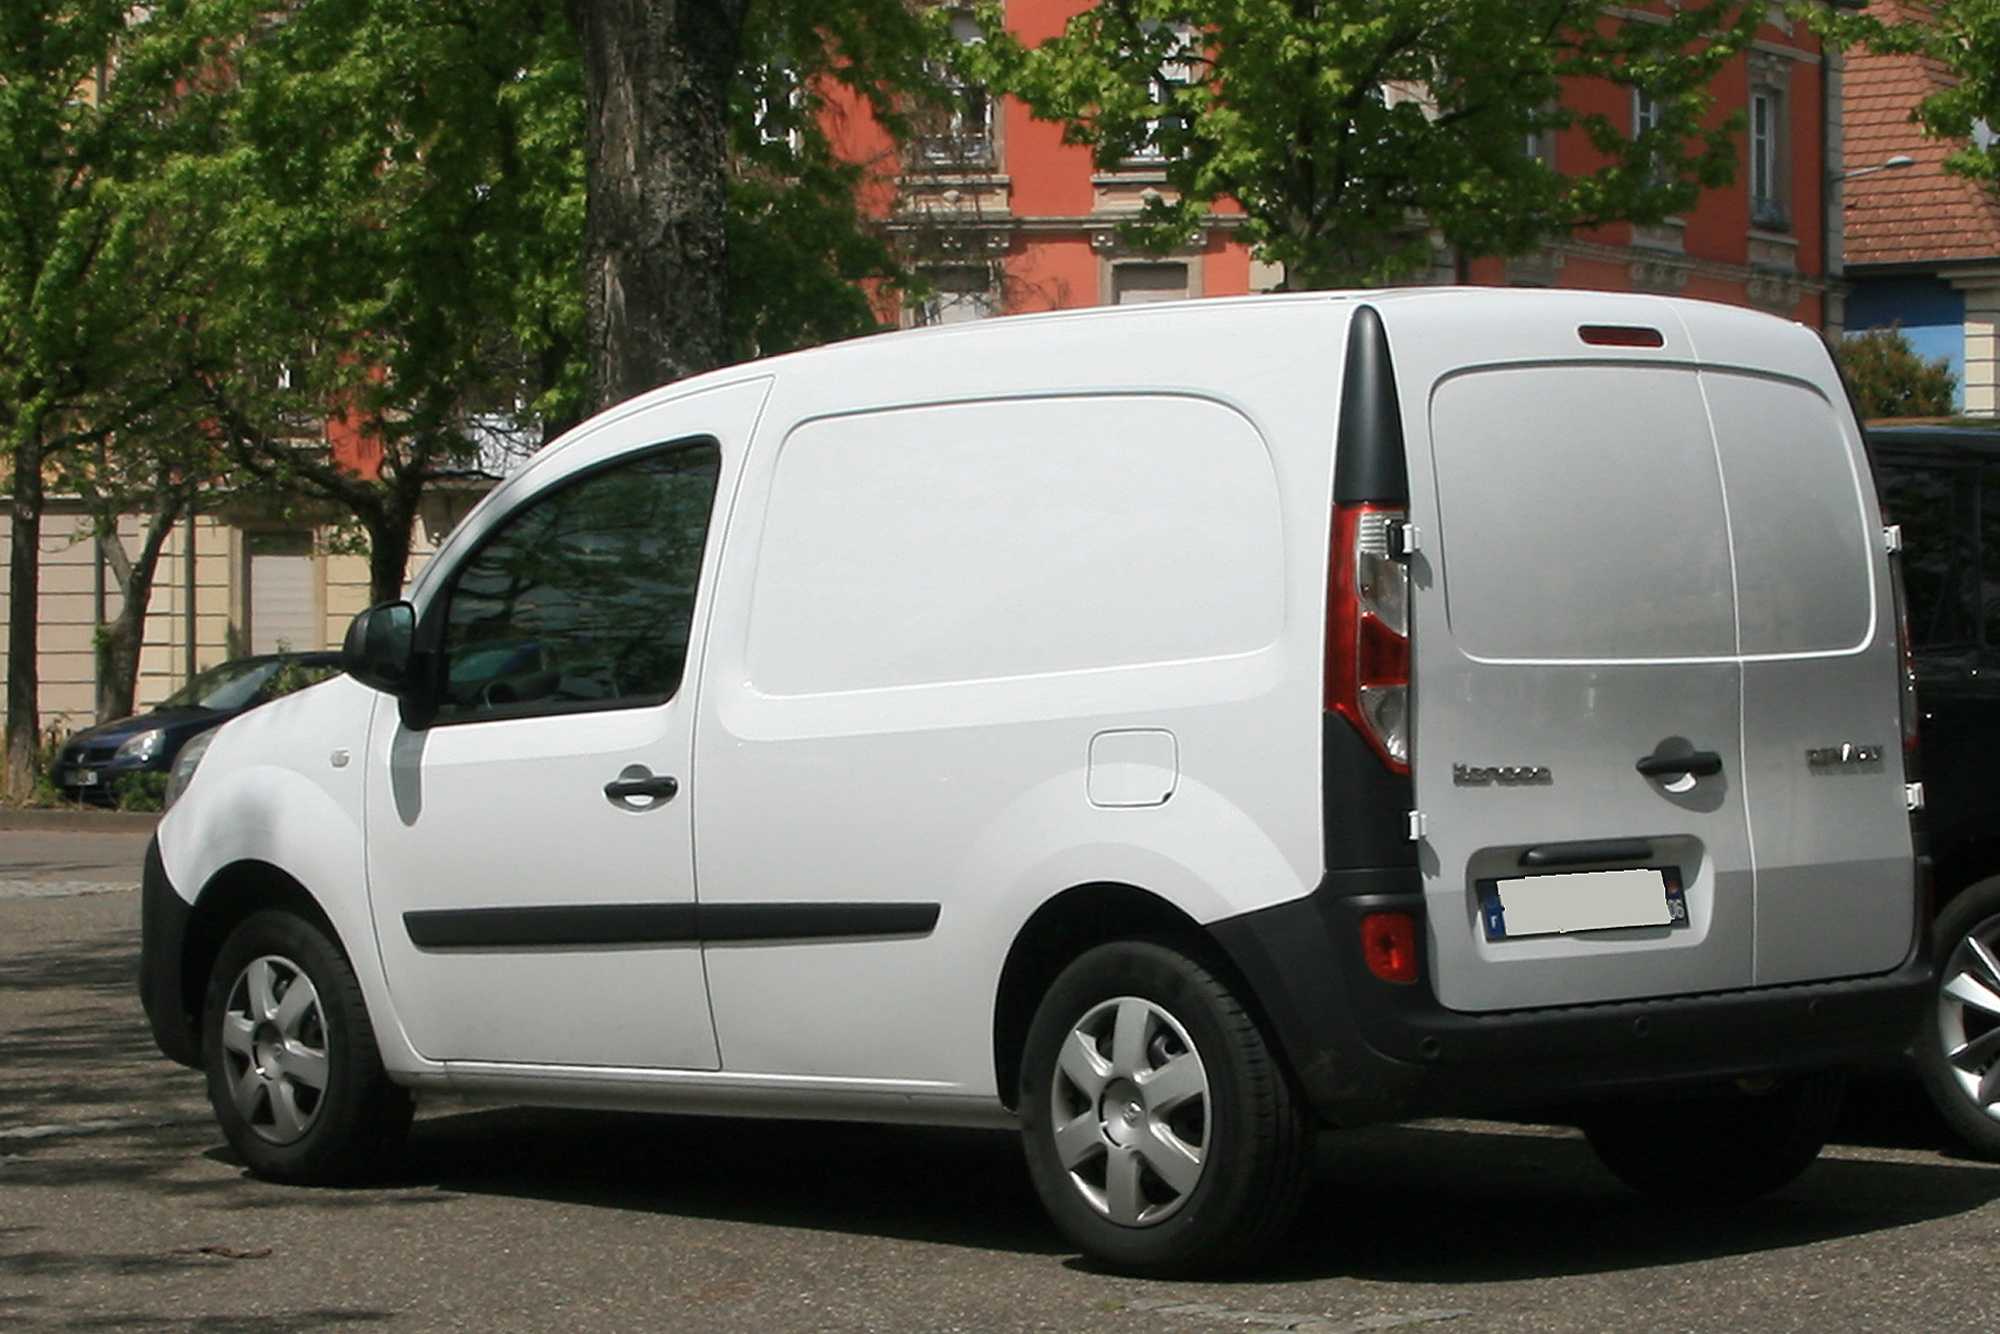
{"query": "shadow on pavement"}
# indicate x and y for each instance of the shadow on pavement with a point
(958, 1187)
(1424, 1203)
(1432, 1205)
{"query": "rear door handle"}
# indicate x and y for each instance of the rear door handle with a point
(1699, 764)
(637, 783)
(1585, 854)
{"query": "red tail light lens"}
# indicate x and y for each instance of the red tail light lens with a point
(1389, 944)
(1368, 631)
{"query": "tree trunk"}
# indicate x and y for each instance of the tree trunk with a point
(656, 88)
(24, 718)
(389, 524)
(119, 643)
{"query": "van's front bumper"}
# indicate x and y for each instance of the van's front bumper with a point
(164, 918)
(1368, 1050)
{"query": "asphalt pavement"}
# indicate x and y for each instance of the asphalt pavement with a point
(122, 1209)
(70, 850)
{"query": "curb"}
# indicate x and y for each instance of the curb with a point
(77, 820)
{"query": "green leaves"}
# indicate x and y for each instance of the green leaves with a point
(1351, 130)
(1890, 379)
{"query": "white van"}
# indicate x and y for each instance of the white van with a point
(1168, 731)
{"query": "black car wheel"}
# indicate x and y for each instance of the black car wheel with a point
(1958, 1054)
(1720, 1146)
(1160, 1129)
(293, 1071)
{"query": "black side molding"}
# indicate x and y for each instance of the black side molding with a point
(571, 926)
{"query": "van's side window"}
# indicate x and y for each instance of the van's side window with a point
(584, 597)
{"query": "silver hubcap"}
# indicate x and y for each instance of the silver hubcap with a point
(274, 1049)
(1969, 1015)
(1130, 1111)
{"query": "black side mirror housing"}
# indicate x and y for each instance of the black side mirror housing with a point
(380, 648)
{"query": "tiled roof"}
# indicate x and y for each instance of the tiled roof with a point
(1910, 215)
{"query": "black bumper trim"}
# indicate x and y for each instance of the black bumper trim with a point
(163, 929)
(1368, 1050)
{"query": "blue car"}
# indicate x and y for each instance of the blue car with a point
(94, 760)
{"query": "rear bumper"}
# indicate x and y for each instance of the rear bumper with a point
(1367, 1050)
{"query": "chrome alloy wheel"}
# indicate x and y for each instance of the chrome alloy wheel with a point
(274, 1049)
(1968, 1027)
(1129, 1107)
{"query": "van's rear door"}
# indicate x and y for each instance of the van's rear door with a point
(1823, 765)
(1574, 615)
(1647, 585)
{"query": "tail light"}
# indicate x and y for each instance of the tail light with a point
(1368, 629)
(1389, 944)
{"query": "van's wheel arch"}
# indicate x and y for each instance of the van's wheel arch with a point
(1161, 1130)
(294, 1074)
(1718, 1146)
(1958, 1050)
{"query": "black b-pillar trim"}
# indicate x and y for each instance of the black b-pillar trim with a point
(1367, 807)
(568, 926)
(1369, 463)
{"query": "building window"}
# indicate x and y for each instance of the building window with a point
(959, 293)
(1138, 284)
(1175, 72)
(780, 101)
(1645, 112)
(1767, 159)
(960, 133)
(1646, 119)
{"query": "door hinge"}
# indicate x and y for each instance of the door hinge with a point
(1913, 796)
(1402, 537)
(1419, 826)
(1892, 538)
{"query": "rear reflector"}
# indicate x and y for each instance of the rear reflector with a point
(1621, 335)
(1389, 944)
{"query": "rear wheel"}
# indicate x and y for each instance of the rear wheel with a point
(1160, 1129)
(293, 1072)
(1733, 1143)
(1959, 1051)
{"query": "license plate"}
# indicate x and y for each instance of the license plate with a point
(81, 778)
(1554, 905)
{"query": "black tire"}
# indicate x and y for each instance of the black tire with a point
(1185, 1149)
(294, 1076)
(1718, 1147)
(1958, 1050)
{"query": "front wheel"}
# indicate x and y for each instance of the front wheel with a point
(1725, 1145)
(293, 1072)
(1160, 1130)
(1958, 1052)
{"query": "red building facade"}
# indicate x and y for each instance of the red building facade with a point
(1003, 217)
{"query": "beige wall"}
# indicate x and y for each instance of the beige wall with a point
(69, 603)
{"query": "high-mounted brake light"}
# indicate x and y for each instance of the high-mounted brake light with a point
(1621, 335)
(1368, 628)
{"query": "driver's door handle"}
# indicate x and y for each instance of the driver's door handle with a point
(638, 783)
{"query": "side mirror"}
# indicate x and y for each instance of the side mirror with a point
(381, 646)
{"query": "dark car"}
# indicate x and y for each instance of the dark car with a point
(95, 760)
(1940, 484)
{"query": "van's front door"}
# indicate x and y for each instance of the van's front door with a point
(1578, 750)
(530, 851)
